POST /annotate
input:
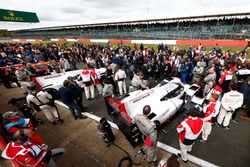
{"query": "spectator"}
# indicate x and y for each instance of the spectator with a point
(198, 72)
(110, 78)
(22, 76)
(245, 89)
(78, 95)
(68, 96)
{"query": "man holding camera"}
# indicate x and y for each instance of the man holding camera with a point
(42, 101)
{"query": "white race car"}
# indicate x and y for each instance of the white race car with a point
(164, 100)
(54, 81)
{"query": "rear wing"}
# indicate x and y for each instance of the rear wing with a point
(123, 121)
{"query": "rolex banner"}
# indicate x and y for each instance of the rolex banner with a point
(18, 16)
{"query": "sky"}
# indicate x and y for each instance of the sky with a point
(70, 12)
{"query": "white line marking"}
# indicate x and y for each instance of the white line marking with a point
(160, 145)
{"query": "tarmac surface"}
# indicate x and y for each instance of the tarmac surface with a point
(84, 146)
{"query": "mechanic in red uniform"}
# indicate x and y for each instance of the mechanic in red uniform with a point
(13, 123)
(88, 83)
(189, 130)
(209, 110)
(95, 75)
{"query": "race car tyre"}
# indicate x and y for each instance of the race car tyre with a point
(54, 93)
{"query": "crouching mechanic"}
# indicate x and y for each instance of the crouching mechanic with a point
(42, 100)
(189, 130)
(29, 153)
(148, 129)
(137, 83)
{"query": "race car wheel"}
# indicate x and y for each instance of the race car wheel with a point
(54, 93)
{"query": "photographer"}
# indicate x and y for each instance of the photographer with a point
(78, 95)
(42, 101)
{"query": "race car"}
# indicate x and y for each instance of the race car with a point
(54, 81)
(165, 99)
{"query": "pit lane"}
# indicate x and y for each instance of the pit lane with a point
(228, 148)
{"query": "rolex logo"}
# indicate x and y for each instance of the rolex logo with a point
(11, 13)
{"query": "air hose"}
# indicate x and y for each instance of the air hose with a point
(126, 158)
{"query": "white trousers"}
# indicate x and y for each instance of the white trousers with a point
(50, 113)
(99, 88)
(184, 149)
(206, 131)
(122, 87)
(224, 117)
(89, 90)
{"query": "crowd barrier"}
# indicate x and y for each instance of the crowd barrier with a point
(233, 43)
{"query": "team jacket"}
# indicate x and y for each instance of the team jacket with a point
(95, 76)
(232, 100)
(226, 76)
(120, 75)
(87, 78)
(189, 130)
(209, 110)
(28, 154)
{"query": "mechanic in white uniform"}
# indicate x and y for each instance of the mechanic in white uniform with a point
(88, 83)
(148, 129)
(120, 77)
(40, 98)
(229, 103)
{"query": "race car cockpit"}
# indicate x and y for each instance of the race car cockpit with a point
(173, 90)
